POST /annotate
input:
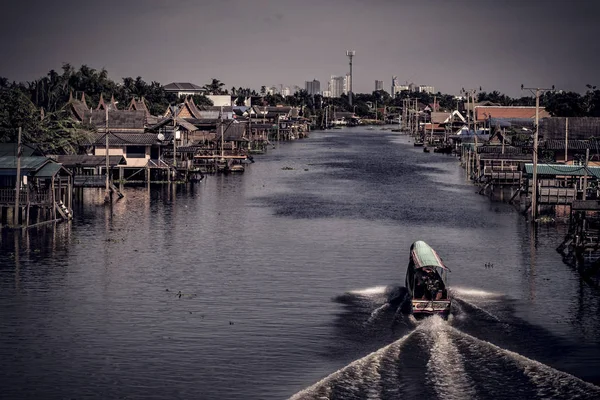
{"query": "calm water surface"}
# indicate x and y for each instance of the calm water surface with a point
(283, 275)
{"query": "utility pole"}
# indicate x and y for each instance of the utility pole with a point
(250, 137)
(106, 133)
(431, 118)
(350, 54)
(174, 137)
(18, 182)
(538, 91)
(222, 136)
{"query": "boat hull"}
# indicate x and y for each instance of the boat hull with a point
(431, 307)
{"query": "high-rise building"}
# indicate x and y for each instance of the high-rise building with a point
(337, 85)
(395, 86)
(378, 85)
(347, 84)
(286, 92)
(313, 87)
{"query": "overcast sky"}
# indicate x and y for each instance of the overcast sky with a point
(448, 44)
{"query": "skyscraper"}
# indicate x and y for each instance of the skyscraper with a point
(337, 85)
(395, 86)
(313, 87)
(378, 85)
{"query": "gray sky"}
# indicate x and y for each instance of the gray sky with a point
(448, 44)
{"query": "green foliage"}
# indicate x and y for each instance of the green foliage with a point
(53, 133)
(240, 101)
(215, 87)
(16, 110)
(202, 100)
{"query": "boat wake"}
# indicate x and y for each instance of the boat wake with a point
(436, 359)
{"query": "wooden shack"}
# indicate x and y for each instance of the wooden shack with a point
(45, 190)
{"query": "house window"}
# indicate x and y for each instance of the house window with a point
(136, 151)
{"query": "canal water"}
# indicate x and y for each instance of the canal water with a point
(273, 284)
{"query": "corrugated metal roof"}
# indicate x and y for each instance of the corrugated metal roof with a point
(498, 149)
(27, 163)
(424, 256)
(85, 160)
(522, 157)
(563, 170)
(512, 122)
(573, 144)
(48, 170)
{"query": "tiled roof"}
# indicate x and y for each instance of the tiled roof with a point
(168, 123)
(79, 109)
(233, 131)
(127, 139)
(120, 119)
(579, 128)
(440, 117)
(484, 112)
(182, 86)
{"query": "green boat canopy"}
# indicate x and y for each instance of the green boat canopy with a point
(423, 255)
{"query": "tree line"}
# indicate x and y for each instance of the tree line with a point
(39, 108)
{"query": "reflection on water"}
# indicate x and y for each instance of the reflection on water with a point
(92, 308)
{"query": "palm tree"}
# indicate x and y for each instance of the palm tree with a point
(215, 86)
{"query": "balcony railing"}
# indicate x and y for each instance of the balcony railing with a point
(8, 197)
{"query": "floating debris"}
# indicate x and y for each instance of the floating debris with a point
(287, 168)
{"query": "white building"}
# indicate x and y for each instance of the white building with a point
(426, 89)
(326, 93)
(286, 92)
(220, 99)
(378, 85)
(395, 86)
(184, 89)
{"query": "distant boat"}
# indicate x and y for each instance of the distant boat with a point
(418, 143)
(237, 168)
(426, 150)
(443, 149)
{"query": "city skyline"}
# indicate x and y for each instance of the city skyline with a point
(495, 45)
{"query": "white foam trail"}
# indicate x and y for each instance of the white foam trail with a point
(376, 290)
(376, 313)
(549, 382)
(473, 292)
(314, 390)
(445, 367)
(374, 378)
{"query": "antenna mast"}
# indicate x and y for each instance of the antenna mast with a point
(350, 54)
